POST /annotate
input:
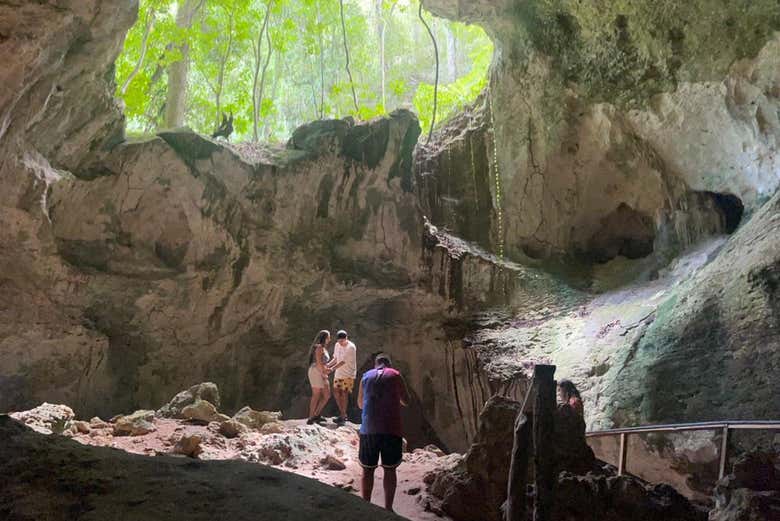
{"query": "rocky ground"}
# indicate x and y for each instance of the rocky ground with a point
(47, 476)
(194, 429)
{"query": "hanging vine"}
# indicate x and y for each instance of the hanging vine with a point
(346, 53)
(436, 81)
(496, 177)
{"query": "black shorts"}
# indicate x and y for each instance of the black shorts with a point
(389, 446)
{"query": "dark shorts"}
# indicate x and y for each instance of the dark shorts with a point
(389, 446)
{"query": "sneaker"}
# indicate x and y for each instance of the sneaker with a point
(311, 421)
(319, 419)
(340, 420)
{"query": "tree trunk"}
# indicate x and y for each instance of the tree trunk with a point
(261, 89)
(222, 65)
(258, 57)
(176, 104)
(452, 55)
(144, 45)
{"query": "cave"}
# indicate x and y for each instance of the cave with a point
(189, 193)
(625, 232)
(731, 209)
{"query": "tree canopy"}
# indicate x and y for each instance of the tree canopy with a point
(276, 64)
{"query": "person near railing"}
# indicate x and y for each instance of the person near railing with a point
(571, 449)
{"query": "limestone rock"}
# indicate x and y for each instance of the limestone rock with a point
(231, 428)
(256, 419)
(204, 391)
(617, 498)
(136, 424)
(751, 491)
(201, 411)
(78, 427)
(46, 418)
(97, 423)
(189, 445)
(273, 427)
(331, 462)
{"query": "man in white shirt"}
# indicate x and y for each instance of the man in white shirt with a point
(344, 364)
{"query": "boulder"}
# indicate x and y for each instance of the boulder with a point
(232, 428)
(47, 418)
(256, 419)
(201, 411)
(594, 497)
(751, 492)
(77, 427)
(189, 446)
(135, 424)
(476, 489)
(203, 391)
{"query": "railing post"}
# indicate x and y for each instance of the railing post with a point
(724, 449)
(623, 454)
(544, 457)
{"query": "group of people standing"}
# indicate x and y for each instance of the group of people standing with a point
(381, 395)
(343, 366)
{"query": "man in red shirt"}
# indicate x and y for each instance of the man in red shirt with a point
(382, 393)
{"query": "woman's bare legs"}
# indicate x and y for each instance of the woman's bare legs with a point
(316, 397)
(324, 398)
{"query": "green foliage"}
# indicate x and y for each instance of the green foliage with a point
(306, 79)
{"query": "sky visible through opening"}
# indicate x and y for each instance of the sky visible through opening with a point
(303, 77)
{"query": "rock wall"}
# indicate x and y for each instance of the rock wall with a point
(602, 123)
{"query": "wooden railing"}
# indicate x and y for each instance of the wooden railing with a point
(724, 426)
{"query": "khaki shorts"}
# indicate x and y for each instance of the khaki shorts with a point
(316, 379)
(345, 384)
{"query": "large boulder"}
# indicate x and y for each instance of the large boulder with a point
(619, 498)
(751, 492)
(46, 418)
(202, 411)
(203, 391)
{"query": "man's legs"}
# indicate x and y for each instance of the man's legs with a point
(367, 483)
(341, 401)
(390, 481)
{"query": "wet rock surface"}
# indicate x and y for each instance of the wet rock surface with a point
(751, 491)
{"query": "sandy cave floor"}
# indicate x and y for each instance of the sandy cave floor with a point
(296, 448)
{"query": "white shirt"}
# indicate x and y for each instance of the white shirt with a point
(348, 355)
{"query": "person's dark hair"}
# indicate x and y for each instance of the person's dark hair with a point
(569, 390)
(341, 334)
(319, 340)
(383, 359)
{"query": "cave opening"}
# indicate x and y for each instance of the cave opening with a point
(730, 208)
(274, 66)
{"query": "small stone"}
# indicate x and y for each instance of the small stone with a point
(189, 446)
(232, 428)
(256, 419)
(331, 462)
(272, 428)
(135, 424)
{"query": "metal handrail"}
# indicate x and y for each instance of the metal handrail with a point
(725, 426)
